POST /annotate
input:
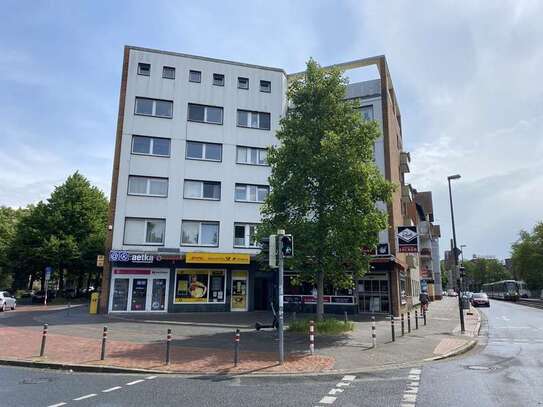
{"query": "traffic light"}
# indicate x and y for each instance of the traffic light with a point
(287, 248)
(462, 271)
(268, 246)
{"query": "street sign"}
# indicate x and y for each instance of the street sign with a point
(48, 271)
(100, 260)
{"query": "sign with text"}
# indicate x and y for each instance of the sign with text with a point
(408, 239)
(139, 258)
(218, 258)
(100, 260)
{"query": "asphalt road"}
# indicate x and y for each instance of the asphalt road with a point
(505, 370)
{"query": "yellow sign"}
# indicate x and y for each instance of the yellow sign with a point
(100, 260)
(218, 258)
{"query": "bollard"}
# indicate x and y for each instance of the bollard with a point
(408, 322)
(312, 337)
(104, 338)
(392, 328)
(346, 319)
(373, 335)
(416, 319)
(403, 326)
(43, 339)
(236, 348)
(168, 343)
(424, 316)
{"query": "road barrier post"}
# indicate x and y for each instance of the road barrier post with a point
(168, 345)
(408, 322)
(403, 326)
(373, 334)
(43, 339)
(424, 316)
(104, 339)
(312, 337)
(416, 319)
(392, 328)
(236, 348)
(346, 319)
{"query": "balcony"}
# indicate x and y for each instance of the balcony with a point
(405, 159)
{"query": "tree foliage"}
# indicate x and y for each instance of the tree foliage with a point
(527, 257)
(480, 271)
(324, 182)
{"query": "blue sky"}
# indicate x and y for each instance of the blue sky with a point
(467, 75)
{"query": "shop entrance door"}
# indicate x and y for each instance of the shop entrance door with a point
(158, 299)
(239, 291)
(139, 294)
(120, 294)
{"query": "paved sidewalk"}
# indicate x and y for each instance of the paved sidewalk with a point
(203, 343)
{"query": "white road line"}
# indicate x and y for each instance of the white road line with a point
(88, 396)
(150, 377)
(111, 389)
(327, 400)
(335, 391)
(135, 382)
(57, 405)
(348, 378)
(342, 384)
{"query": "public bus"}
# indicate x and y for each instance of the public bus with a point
(502, 290)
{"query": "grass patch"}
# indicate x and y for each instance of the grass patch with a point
(330, 326)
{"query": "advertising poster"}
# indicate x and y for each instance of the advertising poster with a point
(192, 286)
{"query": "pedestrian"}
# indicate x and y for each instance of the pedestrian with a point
(424, 300)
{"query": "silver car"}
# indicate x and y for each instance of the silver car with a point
(7, 301)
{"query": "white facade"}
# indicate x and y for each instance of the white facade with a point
(178, 129)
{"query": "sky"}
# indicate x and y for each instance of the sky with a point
(467, 74)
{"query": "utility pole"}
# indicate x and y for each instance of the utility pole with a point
(455, 254)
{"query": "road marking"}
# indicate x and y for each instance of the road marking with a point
(335, 391)
(151, 377)
(111, 389)
(342, 384)
(57, 405)
(327, 400)
(348, 378)
(88, 396)
(135, 382)
(410, 394)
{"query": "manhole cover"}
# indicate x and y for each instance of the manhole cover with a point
(479, 368)
(37, 380)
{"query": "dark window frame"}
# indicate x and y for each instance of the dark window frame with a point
(221, 76)
(205, 114)
(200, 221)
(247, 185)
(202, 159)
(154, 107)
(242, 78)
(255, 148)
(168, 67)
(147, 177)
(203, 182)
(142, 64)
(150, 154)
(191, 71)
(263, 89)
(253, 112)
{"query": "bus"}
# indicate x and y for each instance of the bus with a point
(502, 290)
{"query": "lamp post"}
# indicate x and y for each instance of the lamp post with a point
(455, 254)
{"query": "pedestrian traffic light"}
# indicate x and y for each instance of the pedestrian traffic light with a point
(462, 271)
(268, 246)
(287, 248)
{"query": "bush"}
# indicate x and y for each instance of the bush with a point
(330, 326)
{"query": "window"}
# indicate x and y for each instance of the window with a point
(251, 193)
(195, 76)
(144, 231)
(147, 186)
(202, 190)
(205, 114)
(243, 83)
(367, 112)
(144, 69)
(151, 146)
(154, 107)
(218, 79)
(245, 235)
(254, 120)
(265, 86)
(251, 155)
(200, 286)
(168, 72)
(198, 233)
(204, 151)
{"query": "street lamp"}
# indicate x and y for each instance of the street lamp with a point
(455, 254)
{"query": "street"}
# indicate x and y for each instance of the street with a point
(504, 369)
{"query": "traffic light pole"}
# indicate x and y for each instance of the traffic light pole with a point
(455, 254)
(280, 234)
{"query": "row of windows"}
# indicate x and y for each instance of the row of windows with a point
(168, 72)
(195, 189)
(202, 113)
(196, 150)
(139, 231)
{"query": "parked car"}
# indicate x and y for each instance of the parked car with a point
(452, 293)
(7, 301)
(39, 297)
(480, 300)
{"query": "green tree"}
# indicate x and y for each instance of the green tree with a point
(8, 224)
(480, 271)
(527, 257)
(324, 182)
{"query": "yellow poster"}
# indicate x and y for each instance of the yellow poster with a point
(238, 301)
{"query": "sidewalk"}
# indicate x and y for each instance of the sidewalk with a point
(203, 343)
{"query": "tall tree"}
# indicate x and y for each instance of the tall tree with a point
(480, 271)
(324, 182)
(8, 224)
(527, 257)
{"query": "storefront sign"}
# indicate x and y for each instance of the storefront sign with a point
(327, 299)
(218, 258)
(408, 239)
(100, 260)
(138, 258)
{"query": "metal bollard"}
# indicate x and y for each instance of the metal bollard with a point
(236, 348)
(416, 319)
(392, 328)
(424, 316)
(312, 337)
(403, 326)
(104, 338)
(43, 339)
(408, 322)
(168, 343)
(346, 319)
(373, 335)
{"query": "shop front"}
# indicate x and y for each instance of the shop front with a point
(374, 293)
(139, 289)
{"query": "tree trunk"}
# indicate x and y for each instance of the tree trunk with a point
(320, 295)
(60, 278)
